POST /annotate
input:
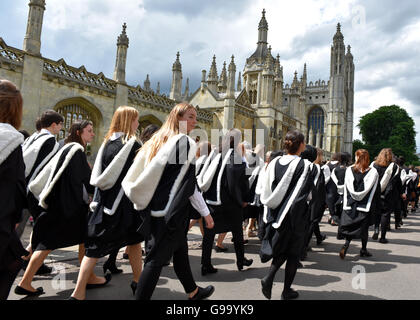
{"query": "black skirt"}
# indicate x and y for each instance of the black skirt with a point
(113, 232)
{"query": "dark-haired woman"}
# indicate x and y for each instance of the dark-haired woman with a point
(388, 174)
(225, 187)
(12, 185)
(361, 194)
(287, 184)
(62, 189)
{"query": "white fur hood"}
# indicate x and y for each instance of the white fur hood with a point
(10, 139)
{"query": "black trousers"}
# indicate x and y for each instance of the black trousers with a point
(158, 256)
(208, 240)
(383, 219)
(313, 229)
(9, 269)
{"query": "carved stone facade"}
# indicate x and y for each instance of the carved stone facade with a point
(323, 111)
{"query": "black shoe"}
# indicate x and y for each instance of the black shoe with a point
(207, 270)
(289, 294)
(401, 223)
(343, 251)
(319, 241)
(300, 265)
(108, 278)
(111, 267)
(266, 287)
(203, 293)
(220, 249)
(383, 240)
(133, 286)
(43, 269)
(365, 253)
(125, 256)
(375, 236)
(245, 262)
(23, 292)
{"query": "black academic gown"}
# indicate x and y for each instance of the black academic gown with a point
(194, 214)
(388, 196)
(12, 201)
(169, 232)
(234, 191)
(254, 208)
(332, 196)
(107, 233)
(288, 239)
(355, 222)
(317, 203)
(63, 223)
(46, 149)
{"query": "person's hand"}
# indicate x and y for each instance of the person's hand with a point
(209, 221)
(404, 196)
(244, 204)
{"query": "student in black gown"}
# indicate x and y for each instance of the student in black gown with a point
(12, 185)
(38, 149)
(361, 196)
(110, 264)
(254, 208)
(112, 223)
(387, 171)
(317, 201)
(286, 188)
(225, 188)
(337, 177)
(162, 183)
(331, 189)
(62, 189)
(203, 151)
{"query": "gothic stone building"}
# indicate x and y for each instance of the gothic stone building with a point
(323, 111)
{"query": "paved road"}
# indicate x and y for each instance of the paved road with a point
(392, 272)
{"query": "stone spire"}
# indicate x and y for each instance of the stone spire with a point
(176, 86)
(338, 36)
(203, 79)
(223, 79)
(262, 29)
(338, 52)
(268, 65)
(239, 87)
(278, 69)
(349, 54)
(212, 79)
(295, 82)
(122, 46)
(187, 89)
(158, 88)
(305, 74)
(147, 84)
(32, 41)
(231, 79)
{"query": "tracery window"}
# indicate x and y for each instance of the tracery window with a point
(316, 123)
(71, 113)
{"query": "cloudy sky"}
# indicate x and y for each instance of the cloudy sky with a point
(383, 35)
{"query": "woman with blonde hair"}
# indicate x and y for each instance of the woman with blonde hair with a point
(113, 223)
(361, 195)
(162, 183)
(388, 173)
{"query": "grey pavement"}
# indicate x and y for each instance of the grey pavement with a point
(392, 272)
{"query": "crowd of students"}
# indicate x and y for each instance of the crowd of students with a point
(151, 189)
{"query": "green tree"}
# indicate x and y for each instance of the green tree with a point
(389, 127)
(357, 144)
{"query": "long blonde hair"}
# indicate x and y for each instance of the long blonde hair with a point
(384, 157)
(169, 129)
(122, 121)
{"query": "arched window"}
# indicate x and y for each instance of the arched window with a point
(316, 121)
(71, 112)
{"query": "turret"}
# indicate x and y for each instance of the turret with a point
(176, 86)
(120, 63)
(32, 41)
